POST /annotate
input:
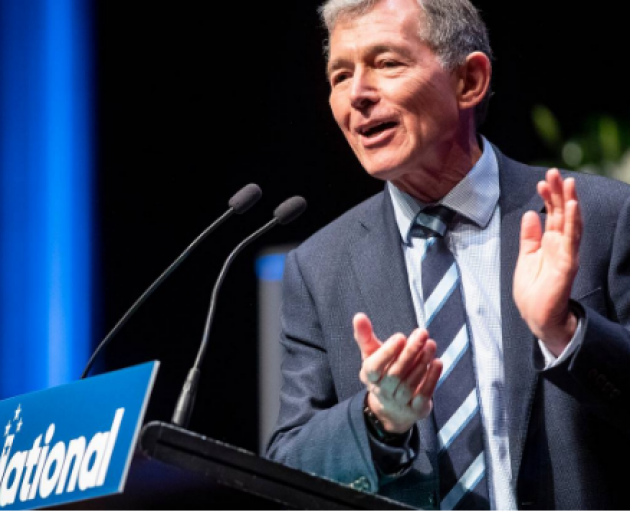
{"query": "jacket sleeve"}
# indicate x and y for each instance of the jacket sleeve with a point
(315, 432)
(597, 374)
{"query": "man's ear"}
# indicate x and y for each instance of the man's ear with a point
(474, 80)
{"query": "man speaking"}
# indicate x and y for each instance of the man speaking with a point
(460, 340)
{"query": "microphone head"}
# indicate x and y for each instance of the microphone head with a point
(290, 210)
(245, 198)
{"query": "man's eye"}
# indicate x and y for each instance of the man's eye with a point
(339, 77)
(389, 64)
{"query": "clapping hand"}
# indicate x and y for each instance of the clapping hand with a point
(400, 374)
(548, 263)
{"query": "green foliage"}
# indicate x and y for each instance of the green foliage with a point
(601, 146)
(547, 126)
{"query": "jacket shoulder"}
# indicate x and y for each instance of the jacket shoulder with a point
(599, 196)
(341, 232)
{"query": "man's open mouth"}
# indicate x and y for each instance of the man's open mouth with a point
(377, 128)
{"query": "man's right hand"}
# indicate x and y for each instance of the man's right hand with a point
(399, 374)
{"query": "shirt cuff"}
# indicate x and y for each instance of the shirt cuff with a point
(394, 461)
(552, 361)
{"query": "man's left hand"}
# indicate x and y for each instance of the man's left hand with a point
(548, 262)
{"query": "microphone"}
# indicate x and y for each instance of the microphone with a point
(287, 212)
(239, 203)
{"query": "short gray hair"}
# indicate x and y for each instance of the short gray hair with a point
(453, 29)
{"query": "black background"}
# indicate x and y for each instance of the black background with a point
(196, 99)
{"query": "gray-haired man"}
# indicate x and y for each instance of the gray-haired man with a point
(507, 387)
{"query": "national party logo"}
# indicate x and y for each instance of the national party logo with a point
(54, 467)
(72, 442)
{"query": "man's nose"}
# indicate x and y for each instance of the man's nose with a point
(363, 91)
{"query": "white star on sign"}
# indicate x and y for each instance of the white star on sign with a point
(19, 425)
(17, 412)
(7, 429)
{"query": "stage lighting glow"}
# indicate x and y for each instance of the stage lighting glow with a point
(45, 192)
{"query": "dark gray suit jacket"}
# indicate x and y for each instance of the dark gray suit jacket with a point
(569, 427)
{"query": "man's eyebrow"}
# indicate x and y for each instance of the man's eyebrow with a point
(372, 51)
(336, 64)
(384, 48)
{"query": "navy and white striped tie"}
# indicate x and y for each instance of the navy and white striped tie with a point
(463, 476)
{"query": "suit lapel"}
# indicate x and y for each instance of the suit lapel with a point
(518, 195)
(379, 265)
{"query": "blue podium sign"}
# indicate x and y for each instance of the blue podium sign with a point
(72, 442)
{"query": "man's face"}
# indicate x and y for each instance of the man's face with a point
(391, 97)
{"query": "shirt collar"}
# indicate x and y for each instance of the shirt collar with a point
(475, 197)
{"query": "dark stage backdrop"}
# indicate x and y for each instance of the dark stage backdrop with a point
(198, 98)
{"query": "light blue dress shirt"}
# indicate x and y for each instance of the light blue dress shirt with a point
(474, 240)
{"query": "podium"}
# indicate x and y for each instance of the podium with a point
(84, 445)
(178, 469)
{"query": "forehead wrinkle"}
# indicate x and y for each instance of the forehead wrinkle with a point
(369, 51)
(351, 22)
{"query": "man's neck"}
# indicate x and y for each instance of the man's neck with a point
(450, 168)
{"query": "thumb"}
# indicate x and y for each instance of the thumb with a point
(364, 335)
(531, 233)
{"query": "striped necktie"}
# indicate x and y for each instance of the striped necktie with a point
(462, 466)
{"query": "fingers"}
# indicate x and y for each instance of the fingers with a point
(531, 233)
(556, 190)
(569, 190)
(552, 192)
(427, 387)
(400, 380)
(422, 402)
(398, 372)
(421, 366)
(573, 215)
(374, 366)
(563, 210)
(364, 335)
(557, 194)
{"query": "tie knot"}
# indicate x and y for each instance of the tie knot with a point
(432, 221)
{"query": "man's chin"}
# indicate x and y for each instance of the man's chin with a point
(380, 172)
